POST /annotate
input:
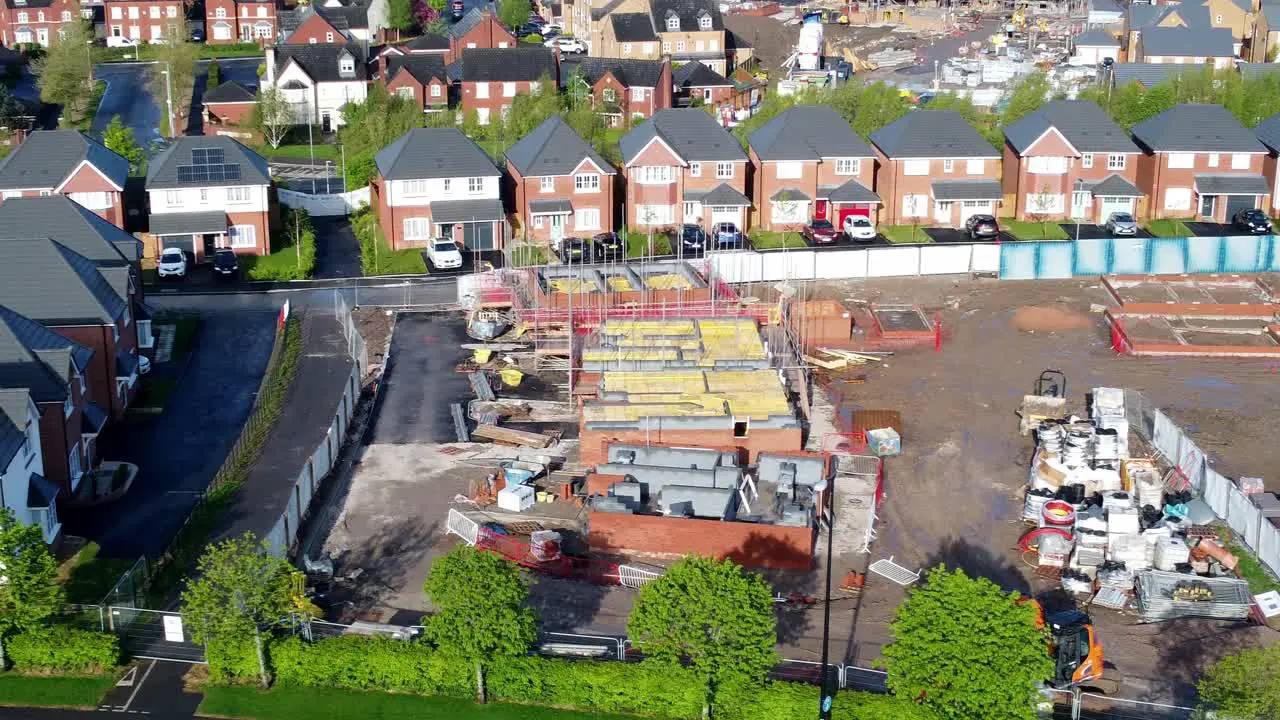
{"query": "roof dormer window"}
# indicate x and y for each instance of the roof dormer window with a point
(346, 65)
(704, 21)
(673, 22)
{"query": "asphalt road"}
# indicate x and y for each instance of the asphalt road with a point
(179, 451)
(420, 372)
(127, 94)
(337, 250)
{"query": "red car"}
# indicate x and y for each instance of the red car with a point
(820, 232)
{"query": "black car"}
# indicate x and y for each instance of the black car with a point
(693, 239)
(529, 29)
(225, 264)
(1252, 221)
(576, 251)
(608, 246)
(981, 226)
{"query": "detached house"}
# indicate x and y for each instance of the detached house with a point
(677, 30)
(809, 164)
(211, 192)
(26, 22)
(623, 90)
(492, 78)
(1199, 162)
(420, 78)
(436, 183)
(310, 25)
(682, 167)
(1069, 160)
(935, 168)
(24, 491)
(429, 44)
(697, 84)
(318, 80)
(131, 22)
(229, 104)
(477, 30)
(333, 21)
(562, 186)
(1186, 46)
(232, 21)
(67, 162)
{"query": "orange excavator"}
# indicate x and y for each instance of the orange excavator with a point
(1077, 654)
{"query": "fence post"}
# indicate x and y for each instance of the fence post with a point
(622, 649)
(1075, 703)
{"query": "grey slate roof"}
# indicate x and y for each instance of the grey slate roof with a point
(629, 72)
(13, 403)
(1188, 42)
(1272, 13)
(808, 132)
(527, 62)
(466, 23)
(1095, 38)
(36, 358)
(353, 16)
(1195, 128)
(851, 191)
(1081, 122)
(1147, 74)
(690, 132)
(191, 223)
(59, 217)
(47, 157)
(1222, 184)
(424, 153)
(229, 92)
(553, 148)
(163, 171)
(421, 67)
(41, 492)
(550, 207)
(697, 75)
(92, 417)
(1268, 131)
(464, 211)
(725, 196)
(321, 61)
(1115, 186)
(633, 27)
(1253, 71)
(688, 11)
(49, 283)
(966, 190)
(931, 134)
(427, 43)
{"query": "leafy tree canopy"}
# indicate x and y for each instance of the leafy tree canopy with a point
(120, 139)
(372, 125)
(29, 590)
(1244, 685)
(513, 13)
(239, 587)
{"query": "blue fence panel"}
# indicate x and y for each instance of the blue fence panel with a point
(1138, 256)
(1168, 256)
(1204, 254)
(1056, 259)
(1243, 254)
(1093, 256)
(1129, 256)
(1018, 261)
(1270, 259)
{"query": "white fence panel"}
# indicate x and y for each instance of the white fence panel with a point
(1242, 516)
(739, 267)
(792, 265)
(946, 259)
(986, 259)
(330, 204)
(893, 262)
(841, 265)
(1217, 492)
(1269, 544)
(1167, 436)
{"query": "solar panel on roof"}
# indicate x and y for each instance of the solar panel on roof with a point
(220, 172)
(207, 156)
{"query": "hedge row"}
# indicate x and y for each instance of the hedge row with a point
(606, 687)
(359, 662)
(64, 649)
(796, 701)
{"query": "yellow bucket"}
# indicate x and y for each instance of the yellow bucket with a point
(511, 377)
(482, 355)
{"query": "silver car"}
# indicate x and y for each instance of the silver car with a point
(1122, 223)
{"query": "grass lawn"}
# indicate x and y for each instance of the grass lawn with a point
(87, 578)
(186, 325)
(91, 110)
(154, 393)
(768, 240)
(302, 151)
(638, 244)
(279, 265)
(1169, 228)
(901, 234)
(288, 703)
(1023, 230)
(17, 689)
(398, 262)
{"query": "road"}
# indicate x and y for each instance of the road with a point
(337, 250)
(127, 94)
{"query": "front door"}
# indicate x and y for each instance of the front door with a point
(1206, 205)
(942, 212)
(557, 227)
(820, 210)
(326, 123)
(42, 36)
(209, 246)
(1079, 204)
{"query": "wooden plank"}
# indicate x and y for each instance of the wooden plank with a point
(828, 364)
(855, 357)
(496, 347)
(514, 437)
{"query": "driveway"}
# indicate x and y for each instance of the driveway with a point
(179, 450)
(420, 382)
(955, 235)
(337, 250)
(1212, 229)
(127, 96)
(1096, 232)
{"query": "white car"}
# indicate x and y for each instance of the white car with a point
(858, 227)
(444, 254)
(173, 262)
(566, 44)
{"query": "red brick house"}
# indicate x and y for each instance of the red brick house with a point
(682, 167)
(23, 22)
(809, 164)
(933, 168)
(1199, 162)
(697, 84)
(1069, 160)
(421, 45)
(229, 104)
(130, 22)
(436, 183)
(421, 78)
(477, 30)
(67, 162)
(233, 21)
(1268, 132)
(491, 78)
(316, 28)
(625, 90)
(562, 186)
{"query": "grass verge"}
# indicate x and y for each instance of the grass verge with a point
(1169, 228)
(1250, 567)
(147, 52)
(288, 703)
(903, 234)
(769, 240)
(304, 151)
(638, 244)
(376, 257)
(293, 251)
(87, 578)
(48, 691)
(186, 325)
(91, 110)
(1023, 230)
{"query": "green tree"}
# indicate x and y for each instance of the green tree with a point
(240, 589)
(120, 139)
(1025, 98)
(482, 614)
(65, 74)
(981, 120)
(869, 106)
(400, 15)
(1244, 685)
(967, 649)
(513, 13)
(370, 126)
(29, 589)
(173, 76)
(273, 116)
(711, 614)
(528, 111)
(214, 78)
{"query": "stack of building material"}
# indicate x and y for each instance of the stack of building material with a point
(1108, 413)
(1162, 596)
(1170, 553)
(517, 498)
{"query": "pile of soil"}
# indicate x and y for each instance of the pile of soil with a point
(1041, 318)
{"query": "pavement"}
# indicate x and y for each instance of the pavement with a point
(179, 451)
(418, 379)
(337, 250)
(127, 95)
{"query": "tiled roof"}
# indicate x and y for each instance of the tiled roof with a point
(725, 195)
(553, 148)
(1095, 38)
(633, 27)
(422, 67)
(13, 410)
(966, 190)
(81, 230)
(931, 134)
(1147, 74)
(1187, 42)
(425, 153)
(629, 72)
(229, 92)
(1268, 131)
(51, 284)
(1115, 185)
(808, 132)
(1081, 122)
(850, 191)
(1196, 128)
(691, 133)
(697, 75)
(167, 169)
(48, 157)
(1224, 184)
(689, 12)
(428, 42)
(321, 62)
(37, 358)
(508, 64)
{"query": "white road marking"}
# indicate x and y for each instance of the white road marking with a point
(138, 687)
(129, 677)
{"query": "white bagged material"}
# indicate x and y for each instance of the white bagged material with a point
(1054, 550)
(1116, 500)
(1092, 519)
(1100, 480)
(516, 499)
(1108, 402)
(1085, 556)
(1123, 521)
(1091, 538)
(1170, 552)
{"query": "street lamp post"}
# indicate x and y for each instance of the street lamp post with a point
(328, 177)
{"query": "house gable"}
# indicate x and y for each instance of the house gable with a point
(589, 162)
(316, 29)
(1051, 143)
(86, 178)
(656, 152)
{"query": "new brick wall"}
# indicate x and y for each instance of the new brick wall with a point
(749, 544)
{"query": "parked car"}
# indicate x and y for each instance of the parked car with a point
(172, 263)
(575, 251)
(859, 228)
(197, 35)
(728, 235)
(1252, 221)
(457, 8)
(225, 264)
(566, 45)
(551, 30)
(1121, 223)
(608, 246)
(443, 254)
(982, 227)
(693, 239)
(820, 232)
(529, 29)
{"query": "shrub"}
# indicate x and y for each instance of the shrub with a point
(532, 38)
(287, 262)
(797, 701)
(358, 662)
(606, 687)
(235, 660)
(64, 649)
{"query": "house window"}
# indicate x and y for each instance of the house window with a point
(673, 23)
(155, 13)
(1217, 19)
(699, 46)
(848, 166)
(171, 11)
(262, 12)
(415, 188)
(586, 183)
(648, 48)
(973, 167)
(116, 14)
(404, 92)
(713, 45)
(67, 407)
(695, 169)
(22, 36)
(328, 37)
(93, 200)
(1047, 165)
(666, 47)
(238, 194)
(66, 16)
(534, 87)
(435, 91)
(679, 46)
(7, 194)
(347, 65)
(915, 167)
(789, 170)
(417, 228)
(608, 95)
(45, 193)
(547, 184)
(537, 222)
(1182, 160)
(1086, 161)
(587, 219)
(243, 236)
(173, 198)
(724, 171)
(204, 195)
(482, 90)
(133, 13)
(475, 185)
(704, 22)
(23, 17)
(1213, 160)
(1239, 161)
(915, 205)
(1115, 162)
(692, 211)
(448, 185)
(220, 13)
(502, 45)
(1044, 203)
(637, 94)
(73, 465)
(655, 175)
(508, 89)
(626, 49)
(655, 214)
(1177, 199)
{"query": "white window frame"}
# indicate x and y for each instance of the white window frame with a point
(789, 170)
(666, 47)
(586, 218)
(547, 184)
(173, 198)
(704, 22)
(97, 200)
(238, 194)
(655, 175)
(171, 11)
(508, 89)
(242, 236)
(915, 205)
(1177, 198)
(435, 90)
(608, 95)
(695, 169)
(848, 166)
(475, 185)
(347, 65)
(637, 94)
(328, 37)
(482, 90)
(220, 13)
(1240, 161)
(673, 23)
(1086, 161)
(724, 171)
(692, 210)
(413, 188)
(626, 49)
(789, 211)
(416, 228)
(1181, 161)
(154, 12)
(1117, 161)
(1213, 160)
(23, 17)
(948, 165)
(1047, 165)
(655, 215)
(915, 167)
(974, 166)
(586, 183)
